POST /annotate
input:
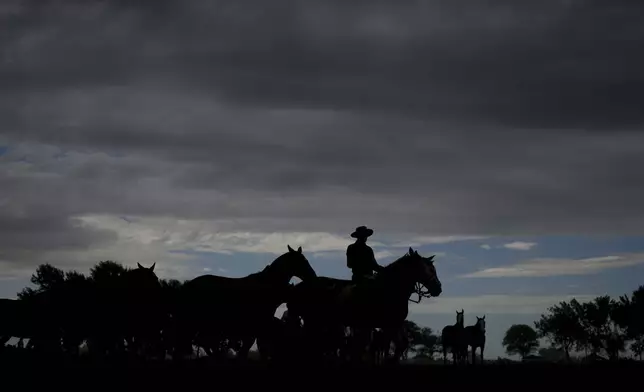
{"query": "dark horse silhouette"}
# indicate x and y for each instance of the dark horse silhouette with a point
(475, 337)
(218, 308)
(103, 314)
(26, 318)
(127, 308)
(328, 305)
(452, 337)
(378, 346)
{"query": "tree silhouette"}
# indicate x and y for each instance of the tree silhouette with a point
(628, 313)
(637, 348)
(47, 277)
(106, 271)
(601, 332)
(413, 332)
(427, 343)
(561, 326)
(170, 284)
(552, 354)
(520, 339)
(26, 293)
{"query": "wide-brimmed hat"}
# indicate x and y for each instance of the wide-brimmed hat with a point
(362, 232)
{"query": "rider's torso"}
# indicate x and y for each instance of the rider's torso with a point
(359, 256)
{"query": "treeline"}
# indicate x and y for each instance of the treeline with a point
(602, 328)
(64, 308)
(49, 279)
(423, 342)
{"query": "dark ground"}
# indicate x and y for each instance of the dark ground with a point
(22, 372)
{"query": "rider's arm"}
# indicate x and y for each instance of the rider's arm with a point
(374, 263)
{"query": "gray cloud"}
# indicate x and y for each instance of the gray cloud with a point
(430, 118)
(520, 64)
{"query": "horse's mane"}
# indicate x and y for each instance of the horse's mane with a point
(397, 263)
(268, 267)
(260, 273)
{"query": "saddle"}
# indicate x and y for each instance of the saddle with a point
(350, 285)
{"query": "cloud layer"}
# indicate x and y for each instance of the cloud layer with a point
(417, 118)
(493, 304)
(558, 267)
(520, 245)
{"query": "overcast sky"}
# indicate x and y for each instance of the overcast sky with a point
(504, 136)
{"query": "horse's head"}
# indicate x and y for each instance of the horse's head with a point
(460, 317)
(294, 263)
(480, 323)
(425, 272)
(143, 281)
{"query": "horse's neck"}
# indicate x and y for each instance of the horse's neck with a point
(475, 333)
(395, 284)
(478, 332)
(396, 290)
(272, 274)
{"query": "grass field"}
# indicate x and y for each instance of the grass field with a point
(27, 372)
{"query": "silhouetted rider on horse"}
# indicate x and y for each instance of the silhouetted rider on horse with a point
(360, 257)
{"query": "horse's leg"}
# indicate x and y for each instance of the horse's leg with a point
(473, 355)
(354, 347)
(269, 347)
(314, 335)
(247, 343)
(376, 347)
(348, 345)
(482, 348)
(361, 343)
(401, 347)
(388, 335)
(444, 354)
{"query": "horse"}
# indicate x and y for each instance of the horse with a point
(403, 342)
(28, 318)
(283, 341)
(382, 301)
(237, 308)
(127, 308)
(379, 347)
(452, 337)
(44, 317)
(475, 337)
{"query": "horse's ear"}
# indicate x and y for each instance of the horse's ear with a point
(299, 250)
(416, 253)
(411, 251)
(153, 265)
(140, 266)
(290, 249)
(483, 317)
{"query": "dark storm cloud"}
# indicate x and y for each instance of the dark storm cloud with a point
(441, 117)
(508, 63)
(44, 232)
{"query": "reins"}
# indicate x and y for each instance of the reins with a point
(421, 292)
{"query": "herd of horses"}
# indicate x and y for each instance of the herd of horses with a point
(327, 318)
(459, 339)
